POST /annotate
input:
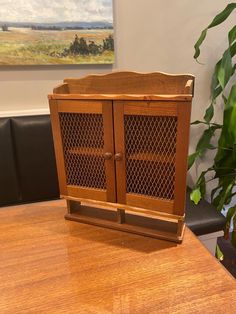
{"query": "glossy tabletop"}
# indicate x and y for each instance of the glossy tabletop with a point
(49, 265)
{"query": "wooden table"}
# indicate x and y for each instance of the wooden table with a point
(49, 265)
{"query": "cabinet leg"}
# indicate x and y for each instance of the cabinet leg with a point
(180, 227)
(72, 206)
(120, 216)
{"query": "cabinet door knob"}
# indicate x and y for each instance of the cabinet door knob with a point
(118, 156)
(107, 155)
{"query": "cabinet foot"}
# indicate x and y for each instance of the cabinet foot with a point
(73, 206)
(120, 216)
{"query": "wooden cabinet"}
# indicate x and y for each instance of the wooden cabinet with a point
(121, 143)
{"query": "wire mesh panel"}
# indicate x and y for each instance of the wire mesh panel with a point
(150, 151)
(83, 143)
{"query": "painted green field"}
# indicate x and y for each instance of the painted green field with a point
(21, 46)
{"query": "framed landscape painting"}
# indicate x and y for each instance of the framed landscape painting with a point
(37, 32)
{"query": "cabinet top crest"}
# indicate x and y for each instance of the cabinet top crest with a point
(127, 85)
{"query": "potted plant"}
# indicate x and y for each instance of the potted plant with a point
(223, 167)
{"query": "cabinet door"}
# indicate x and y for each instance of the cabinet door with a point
(83, 137)
(151, 144)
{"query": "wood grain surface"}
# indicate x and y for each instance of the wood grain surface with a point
(146, 97)
(49, 265)
(125, 82)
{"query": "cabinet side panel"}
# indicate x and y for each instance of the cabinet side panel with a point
(58, 146)
(181, 164)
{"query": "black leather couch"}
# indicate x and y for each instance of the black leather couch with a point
(28, 170)
(27, 161)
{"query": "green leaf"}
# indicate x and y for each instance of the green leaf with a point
(232, 97)
(224, 99)
(216, 88)
(209, 113)
(222, 16)
(234, 69)
(216, 92)
(198, 122)
(228, 134)
(225, 69)
(219, 18)
(234, 220)
(203, 144)
(230, 214)
(210, 146)
(202, 184)
(233, 50)
(229, 198)
(219, 255)
(198, 43)
(191, 159)
(231, 115)
(233, 239)
(195, 196)
(232, 35)
(234, 152)
(205, 139)
(220, 200)
(213, 192)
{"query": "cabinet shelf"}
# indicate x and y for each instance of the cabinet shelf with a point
(147, 156)
(86, 151)
(152, 157)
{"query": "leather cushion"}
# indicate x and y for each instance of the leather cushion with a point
(9, 189)
(203, 218)
(35, 157)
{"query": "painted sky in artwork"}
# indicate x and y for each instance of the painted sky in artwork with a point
(50, 11)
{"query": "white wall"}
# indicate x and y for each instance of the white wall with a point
(151, 35)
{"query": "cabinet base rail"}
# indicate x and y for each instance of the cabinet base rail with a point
(127, 221)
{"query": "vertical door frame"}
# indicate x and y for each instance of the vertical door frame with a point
(107, 112)
(181, 162)
(118, 107)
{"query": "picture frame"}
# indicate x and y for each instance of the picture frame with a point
(56, 32)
